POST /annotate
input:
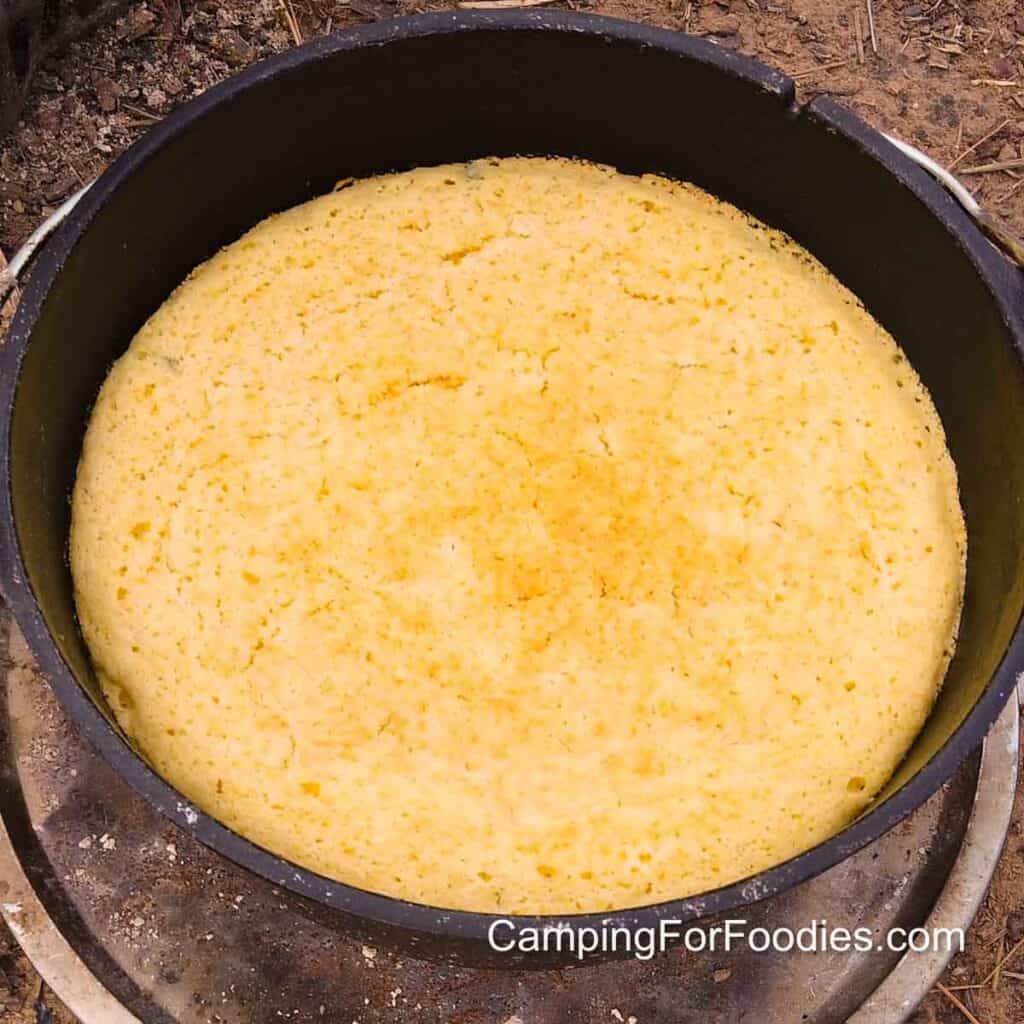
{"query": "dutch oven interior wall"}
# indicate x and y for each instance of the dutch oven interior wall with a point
(444, 98)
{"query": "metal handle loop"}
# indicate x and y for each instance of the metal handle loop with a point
(11, 274)
(1005, 240)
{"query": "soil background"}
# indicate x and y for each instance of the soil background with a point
(946, 75)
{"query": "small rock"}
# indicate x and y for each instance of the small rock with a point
(722, 974)
(1003, 68)
(57, 189)
(233, 47)
(717, 23)
(107, 92)
(86, 843)
(138, 22)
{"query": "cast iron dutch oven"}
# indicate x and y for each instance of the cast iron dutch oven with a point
(449, 87)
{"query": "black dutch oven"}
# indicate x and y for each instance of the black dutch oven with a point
(449, 87)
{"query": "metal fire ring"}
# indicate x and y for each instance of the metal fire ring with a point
(913, 977)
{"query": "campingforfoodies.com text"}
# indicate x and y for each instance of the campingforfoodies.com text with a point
(645, 942)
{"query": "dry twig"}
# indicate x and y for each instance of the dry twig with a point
(994, 973)
(871, 27)
(1018, 945)
(146, 115)
(293, 23)
(955, 1000)
(988, 135)
(996, 165)
(807, 72)
(1009, 195)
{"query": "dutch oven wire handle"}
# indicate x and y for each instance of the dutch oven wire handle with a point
(10, 276)
(1010, 244)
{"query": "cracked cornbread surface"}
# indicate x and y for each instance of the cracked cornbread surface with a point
(519, 536)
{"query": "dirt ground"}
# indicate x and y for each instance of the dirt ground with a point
(947, 75)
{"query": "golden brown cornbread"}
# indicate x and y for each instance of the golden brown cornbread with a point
(519, 536)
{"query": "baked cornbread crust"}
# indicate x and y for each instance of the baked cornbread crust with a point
(519, 536)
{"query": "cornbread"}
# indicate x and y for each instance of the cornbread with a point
(519, 536)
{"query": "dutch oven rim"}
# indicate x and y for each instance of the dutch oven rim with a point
(375, 907)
